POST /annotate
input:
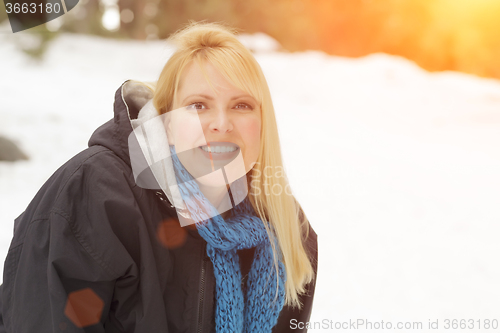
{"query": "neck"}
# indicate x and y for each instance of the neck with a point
(216, 194)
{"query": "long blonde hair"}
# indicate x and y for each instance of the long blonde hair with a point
(217, 44)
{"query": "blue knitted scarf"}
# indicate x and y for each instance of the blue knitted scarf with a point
(259, 310)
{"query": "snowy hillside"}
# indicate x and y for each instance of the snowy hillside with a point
(396, 168)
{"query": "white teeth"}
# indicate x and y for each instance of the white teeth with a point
(218, 149)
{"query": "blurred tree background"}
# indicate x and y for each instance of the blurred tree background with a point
(438, 35)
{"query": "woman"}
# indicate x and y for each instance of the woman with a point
(173, 219)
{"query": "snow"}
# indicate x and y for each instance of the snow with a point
(396, 168)
(260, 42)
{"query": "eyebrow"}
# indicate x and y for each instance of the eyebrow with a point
(211, 98)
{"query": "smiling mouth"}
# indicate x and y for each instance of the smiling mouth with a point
(220, 150)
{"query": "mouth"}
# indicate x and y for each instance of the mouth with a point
(220, 150)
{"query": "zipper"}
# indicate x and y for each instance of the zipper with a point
(202, 289)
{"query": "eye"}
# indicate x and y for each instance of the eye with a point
(243, 106)
(196, 106)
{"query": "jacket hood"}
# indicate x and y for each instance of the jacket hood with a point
(130, 98)
(137, 135)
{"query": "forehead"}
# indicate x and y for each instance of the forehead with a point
(203, 77)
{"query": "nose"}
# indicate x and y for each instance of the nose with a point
(220, 122)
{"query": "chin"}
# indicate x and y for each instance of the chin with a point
(214, 179)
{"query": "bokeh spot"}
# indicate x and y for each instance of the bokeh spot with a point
(171, 234)
(84, 308)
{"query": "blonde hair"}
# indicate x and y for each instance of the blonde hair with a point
(217, 44)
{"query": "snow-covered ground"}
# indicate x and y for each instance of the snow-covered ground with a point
(396, 168)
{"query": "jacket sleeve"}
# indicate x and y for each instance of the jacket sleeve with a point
(293, 319)
(53, 283)
(65, 262)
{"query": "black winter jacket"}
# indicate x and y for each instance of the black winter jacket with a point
(94, 252)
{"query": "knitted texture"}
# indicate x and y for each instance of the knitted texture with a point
(244, 230)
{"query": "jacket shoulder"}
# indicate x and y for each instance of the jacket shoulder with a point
(82, 231)
(310, 238)
(88, 178)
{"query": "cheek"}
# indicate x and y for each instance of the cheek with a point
(187, 132)
(250, 130)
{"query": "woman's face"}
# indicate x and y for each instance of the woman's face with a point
(214, 130)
